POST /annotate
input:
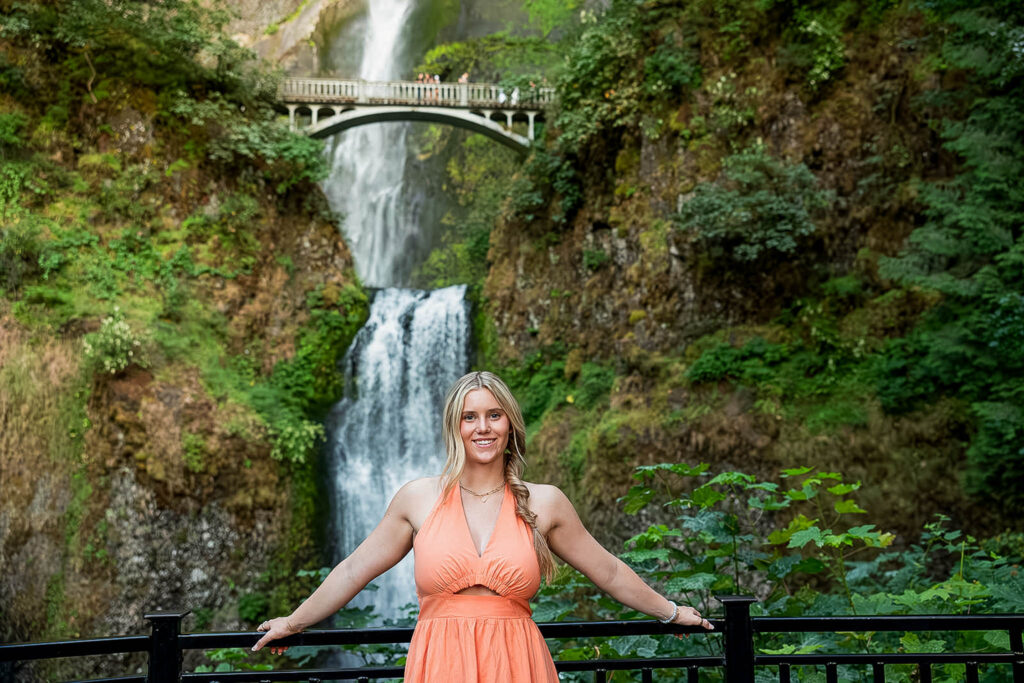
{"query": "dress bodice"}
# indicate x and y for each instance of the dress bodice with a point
(447, 560)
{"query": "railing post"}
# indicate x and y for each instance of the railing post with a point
(739, 638)
(164, 649)
(1017, 647)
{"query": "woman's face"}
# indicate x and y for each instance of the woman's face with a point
(484, 427)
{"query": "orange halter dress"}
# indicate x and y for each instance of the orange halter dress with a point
(476, 638)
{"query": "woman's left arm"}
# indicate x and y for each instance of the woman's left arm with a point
(569, 539)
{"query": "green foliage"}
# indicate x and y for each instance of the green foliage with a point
(547, 176)
(971, 250)
(670, 71)
(235, 138)
(11, 126)
(165, 45)
(595, 382)
(596, 89)
(749, 364)
(761, 209)
(492, 58)
(594, 258)
(801, 541)
(193, 450)
(252, 607)
(628, 59)
(20, 248)
(115, 346)
(541, 385)
(301, 389)
(548, 15)
(478, 176)
(814, 44)
(227, 659)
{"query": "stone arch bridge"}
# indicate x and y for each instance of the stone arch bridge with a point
(324, 106)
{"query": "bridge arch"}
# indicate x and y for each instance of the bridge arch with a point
(453, 117)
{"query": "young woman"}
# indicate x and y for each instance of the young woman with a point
(482, 539)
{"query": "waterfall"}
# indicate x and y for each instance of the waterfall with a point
(386, 429)
(367, 183)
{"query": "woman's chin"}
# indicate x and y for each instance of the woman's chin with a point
(483, 457)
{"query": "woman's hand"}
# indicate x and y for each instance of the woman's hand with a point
(688, 616)
(275, 628)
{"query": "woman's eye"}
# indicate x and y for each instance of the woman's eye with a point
(495, 416)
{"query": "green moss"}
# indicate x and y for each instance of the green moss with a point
(74, 516)
(304, 547)
(193, 450)
(485, 336)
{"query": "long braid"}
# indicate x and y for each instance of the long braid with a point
(514, 463)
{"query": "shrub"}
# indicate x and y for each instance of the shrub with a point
(670, 70)
(115, 346)
(761, 208)
(252, 607)
(748, 364)
(594, 258)
(19, 251)
(815, 45)
(236, 139)
(11, 126)
(594, 384)
(544, 175)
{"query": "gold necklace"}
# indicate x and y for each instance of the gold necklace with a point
(482, 496)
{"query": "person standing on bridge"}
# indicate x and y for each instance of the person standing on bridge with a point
(482, 538)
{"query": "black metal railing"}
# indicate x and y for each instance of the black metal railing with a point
(166, 646)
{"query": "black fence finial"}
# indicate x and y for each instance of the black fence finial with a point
(165, 655)
(739, 638)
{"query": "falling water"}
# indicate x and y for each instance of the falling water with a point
(367, 183)
(387, 428)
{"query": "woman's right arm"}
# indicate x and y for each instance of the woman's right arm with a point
(382, 549)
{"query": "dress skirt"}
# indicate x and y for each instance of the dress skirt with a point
(477, 639)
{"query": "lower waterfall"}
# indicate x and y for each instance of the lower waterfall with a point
(387, 428)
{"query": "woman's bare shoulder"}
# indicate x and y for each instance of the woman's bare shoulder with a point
(416, 498)
(428, 487)
(552, 507)
(546, 495)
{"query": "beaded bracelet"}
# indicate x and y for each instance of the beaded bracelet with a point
(675, 611)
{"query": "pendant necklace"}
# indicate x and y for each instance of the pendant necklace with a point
(482, 496)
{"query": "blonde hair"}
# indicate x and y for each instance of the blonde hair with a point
(515, 452)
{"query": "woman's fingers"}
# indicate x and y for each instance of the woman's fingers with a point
(275, 628)
(688, 616)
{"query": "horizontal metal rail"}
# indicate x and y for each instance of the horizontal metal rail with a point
(889, 622)
(74, 648)
(412, 93)
(737, 630)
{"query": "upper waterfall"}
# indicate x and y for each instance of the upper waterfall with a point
(367, 182)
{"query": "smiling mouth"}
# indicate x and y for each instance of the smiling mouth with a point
(483, 443)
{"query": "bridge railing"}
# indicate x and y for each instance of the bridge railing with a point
(412, 93)
(734, 637)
